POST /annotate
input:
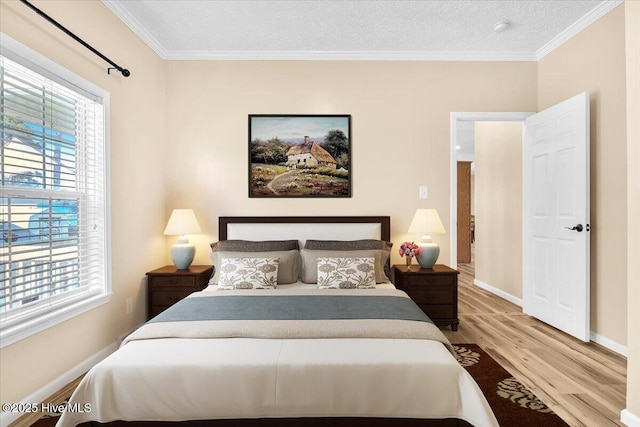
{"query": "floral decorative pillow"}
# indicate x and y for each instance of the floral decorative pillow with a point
(248, 273)
(346, 273)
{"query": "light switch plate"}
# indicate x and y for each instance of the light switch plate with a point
(424, 192)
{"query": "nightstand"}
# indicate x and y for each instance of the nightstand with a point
(168, 285)
(435, 290)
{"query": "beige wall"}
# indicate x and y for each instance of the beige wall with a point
(594, 61)
(400, 127)
(632, 16)
(498, 179)
(137, 184)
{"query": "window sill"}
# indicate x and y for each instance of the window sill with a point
(24, 330)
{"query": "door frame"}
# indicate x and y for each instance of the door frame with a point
(469, 117)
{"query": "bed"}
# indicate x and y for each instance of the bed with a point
(356, 355)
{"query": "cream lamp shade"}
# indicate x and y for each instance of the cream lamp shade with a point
(426, 221)
(181, 223)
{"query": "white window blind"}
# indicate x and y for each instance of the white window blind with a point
(53, 229)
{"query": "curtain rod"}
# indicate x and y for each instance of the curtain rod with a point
(124, 71)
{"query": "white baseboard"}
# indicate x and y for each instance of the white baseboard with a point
(502, 294)
(56, 385)
(629, 419)
(610, 344)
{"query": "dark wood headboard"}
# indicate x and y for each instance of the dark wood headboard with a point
(384, 221)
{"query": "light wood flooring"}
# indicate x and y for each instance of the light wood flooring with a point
(584, 383)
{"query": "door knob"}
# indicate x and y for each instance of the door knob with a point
(577, 228)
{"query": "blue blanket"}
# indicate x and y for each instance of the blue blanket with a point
(292, 307)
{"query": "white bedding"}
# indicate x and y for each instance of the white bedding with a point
(175, 379)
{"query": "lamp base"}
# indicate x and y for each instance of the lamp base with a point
(182, 255)
(429, 252)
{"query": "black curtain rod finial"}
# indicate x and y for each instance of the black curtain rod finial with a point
(124, 71)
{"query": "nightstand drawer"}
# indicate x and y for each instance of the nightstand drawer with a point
(422, 280)
(436, 312)
(168, 298)
(431, 295)
(173, 281)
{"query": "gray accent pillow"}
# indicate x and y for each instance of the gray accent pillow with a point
(309, 270)
(257, 246)
(348, 245)
(353, 245)
(288, 265)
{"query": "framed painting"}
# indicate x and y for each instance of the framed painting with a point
(299, 155)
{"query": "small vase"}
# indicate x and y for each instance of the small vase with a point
(407, 259)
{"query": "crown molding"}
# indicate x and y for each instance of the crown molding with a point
(582, 23)
(138, 29)
(348, 56)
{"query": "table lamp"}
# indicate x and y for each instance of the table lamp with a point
(427, 221)
(182, 222)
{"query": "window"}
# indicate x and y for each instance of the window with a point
(54, 234)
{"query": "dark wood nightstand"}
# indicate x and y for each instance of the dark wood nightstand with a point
(435, 290)
(168, 285)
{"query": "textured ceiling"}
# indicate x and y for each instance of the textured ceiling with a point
(390, 29)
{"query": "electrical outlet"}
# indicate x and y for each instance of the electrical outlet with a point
(424, 192)
(129, 302)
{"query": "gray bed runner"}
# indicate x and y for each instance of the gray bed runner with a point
(292, 307)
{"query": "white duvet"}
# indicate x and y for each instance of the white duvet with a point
(176, 379)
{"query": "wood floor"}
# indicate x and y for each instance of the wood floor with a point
(585, 384)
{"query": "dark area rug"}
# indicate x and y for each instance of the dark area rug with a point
(46, 421)
(512, 403)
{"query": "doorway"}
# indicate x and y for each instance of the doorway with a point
(462, 129)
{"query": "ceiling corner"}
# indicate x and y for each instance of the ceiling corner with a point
(138, 29)
(582, 23)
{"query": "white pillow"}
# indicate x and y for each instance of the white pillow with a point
(248, 273)
(346, 273)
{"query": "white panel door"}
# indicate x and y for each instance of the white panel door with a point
(556, 216)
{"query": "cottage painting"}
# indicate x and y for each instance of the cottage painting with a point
(299, 156)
